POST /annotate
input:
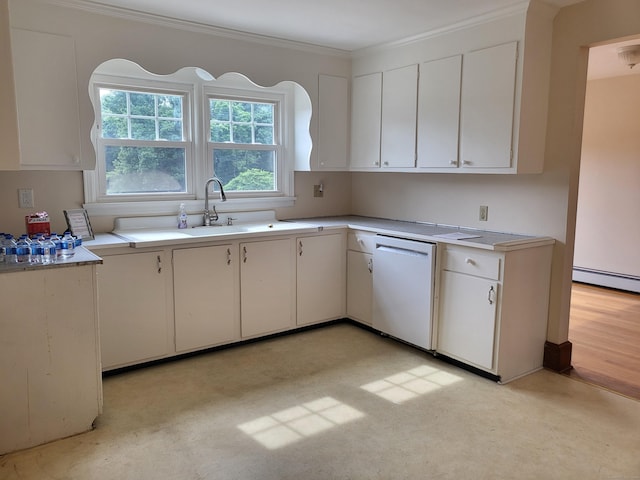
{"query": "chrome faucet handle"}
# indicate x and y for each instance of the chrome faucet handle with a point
(230, 220)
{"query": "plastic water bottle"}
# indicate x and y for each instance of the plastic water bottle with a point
(10, 254)
(8, 248)
(67, 245)
(23, 250)
(36, 251)
(57, 242)
(48, 251)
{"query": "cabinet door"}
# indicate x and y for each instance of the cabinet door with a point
(359, 286)
(49, 124)
(439, 112)
(267, 298)
(399, 99)
(467, 318)
(320, 278)
(333, 122)
(206, 300)
(366, 107)
(488, 95)
(132, 304)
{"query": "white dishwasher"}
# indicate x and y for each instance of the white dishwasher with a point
(403, 282)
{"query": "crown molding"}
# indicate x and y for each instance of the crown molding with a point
(196, 27)
(498, 14)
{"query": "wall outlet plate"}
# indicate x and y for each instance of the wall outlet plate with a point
(484, 213)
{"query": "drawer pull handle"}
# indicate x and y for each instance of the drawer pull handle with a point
(370, 265)
(469, 261)
(228, 256)
(300, 248)
(159, 262)
(244, 254)
(492, 295)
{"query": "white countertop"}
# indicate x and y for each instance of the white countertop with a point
(162, 236)
(81, 256)
(432, 232)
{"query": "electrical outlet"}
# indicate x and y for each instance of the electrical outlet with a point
(484, 213)
(25, 198)
(318, 191)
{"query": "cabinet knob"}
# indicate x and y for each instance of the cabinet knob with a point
(469, 261)
(466, 162)
(453, 162)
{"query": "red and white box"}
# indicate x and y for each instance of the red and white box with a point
(37, 223)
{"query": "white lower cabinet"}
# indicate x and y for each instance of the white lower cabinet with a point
(493, 306)
(320, 281)
(49, 361)
(467, 318)
(360, 276)
(267, 288)
(206, 296)
(134, 308)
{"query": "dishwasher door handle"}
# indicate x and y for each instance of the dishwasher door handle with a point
(400, 251)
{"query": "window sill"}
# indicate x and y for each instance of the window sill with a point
(169, 207)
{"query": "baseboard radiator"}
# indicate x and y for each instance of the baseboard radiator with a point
(619, 281)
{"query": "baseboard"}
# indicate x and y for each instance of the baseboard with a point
(606, 279)
(557, 357)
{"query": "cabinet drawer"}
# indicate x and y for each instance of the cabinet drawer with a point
(361, 242)
(472, 263)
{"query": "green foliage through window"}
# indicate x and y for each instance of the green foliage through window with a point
(153, 119)
(237, 124)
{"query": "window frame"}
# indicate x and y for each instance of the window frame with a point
(185, 91)
(278, 100)
(294, 115)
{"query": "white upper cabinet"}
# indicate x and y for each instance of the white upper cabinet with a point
(482, 98)
(399, 97)
(333, 122)
(8, 125)
(46, 102)
(439, 113)
(487, 107)
(366, 110)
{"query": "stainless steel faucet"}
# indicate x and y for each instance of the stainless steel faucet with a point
(208, 216)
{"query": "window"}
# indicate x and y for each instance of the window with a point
(158, 138)
(244, 144)
(142, 142)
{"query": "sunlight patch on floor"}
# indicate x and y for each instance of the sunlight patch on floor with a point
(403, 386)
(293, 424)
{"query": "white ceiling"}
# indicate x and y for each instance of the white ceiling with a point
(604, 61)
(342, 24)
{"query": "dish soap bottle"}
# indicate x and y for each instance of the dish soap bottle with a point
(182, 217)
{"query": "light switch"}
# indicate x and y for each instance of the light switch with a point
(25, 198)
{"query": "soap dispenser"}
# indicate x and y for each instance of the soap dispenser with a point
(182, 217)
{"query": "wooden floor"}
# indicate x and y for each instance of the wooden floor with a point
(604, 328)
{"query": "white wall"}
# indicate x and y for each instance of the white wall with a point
(608, 217)
(163, 49)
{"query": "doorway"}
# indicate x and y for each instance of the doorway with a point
(604, 325)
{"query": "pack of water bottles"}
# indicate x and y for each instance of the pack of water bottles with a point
(39, 249)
